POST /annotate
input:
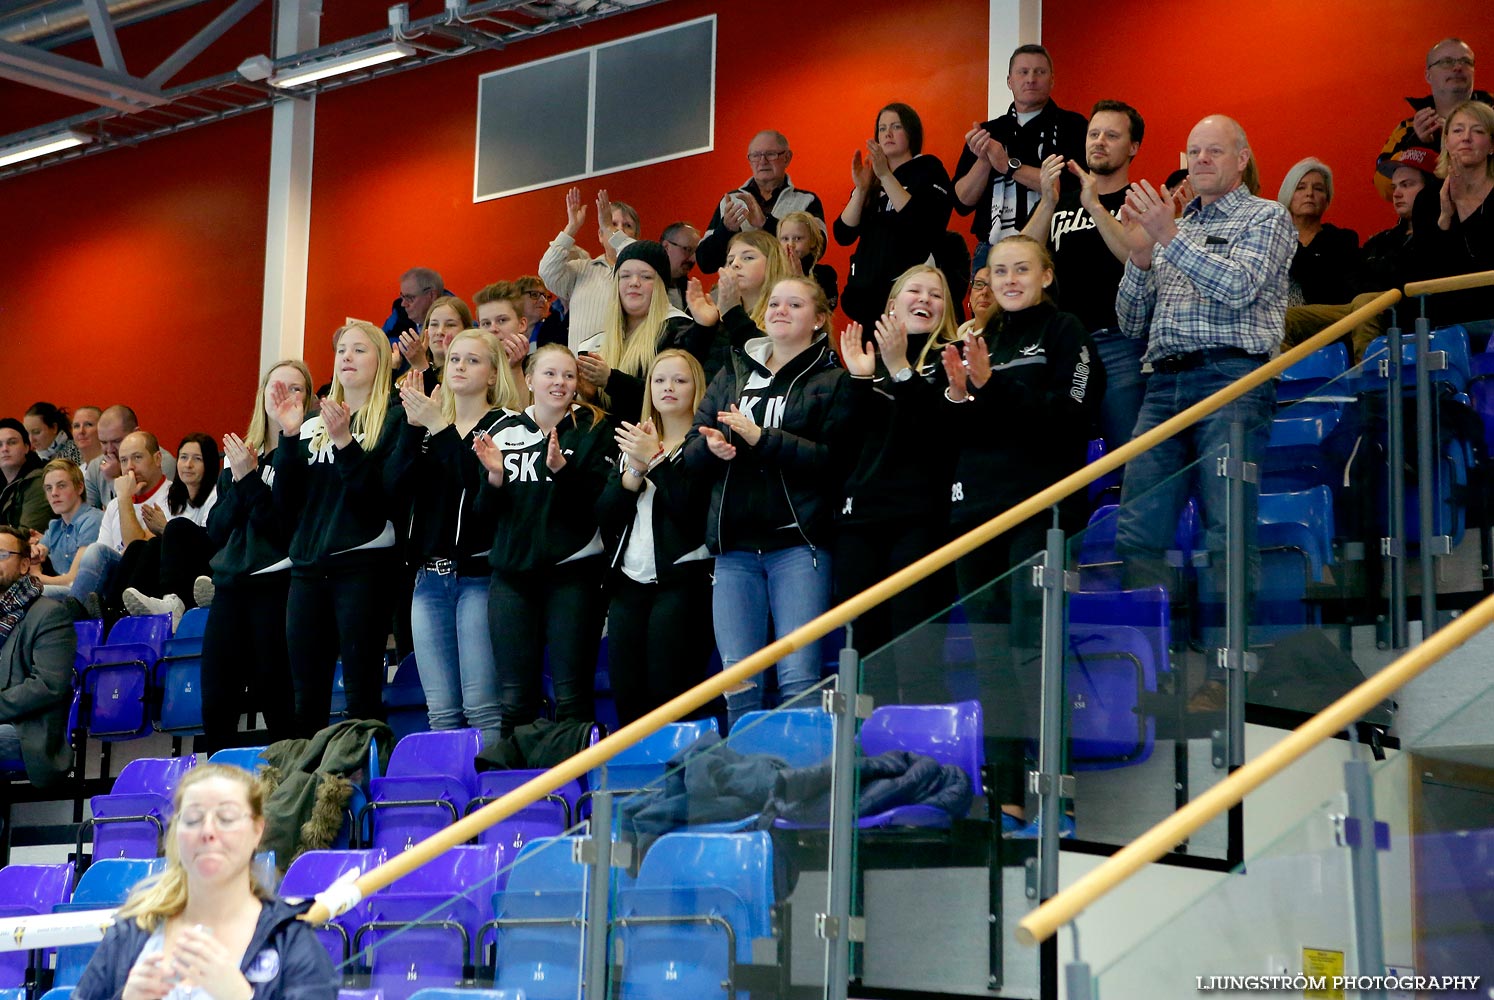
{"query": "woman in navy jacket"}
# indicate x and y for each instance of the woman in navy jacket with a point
(205, 926)
(545, 469)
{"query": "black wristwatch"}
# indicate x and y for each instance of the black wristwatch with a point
(1012, 165)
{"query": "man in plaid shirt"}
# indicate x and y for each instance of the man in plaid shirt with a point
(1209, 290)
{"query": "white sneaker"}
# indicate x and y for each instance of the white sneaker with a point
(203, 591)
(137, 603)
(177, 607)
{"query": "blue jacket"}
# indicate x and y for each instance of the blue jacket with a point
(284, 952)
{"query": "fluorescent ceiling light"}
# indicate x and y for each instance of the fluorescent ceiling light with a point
(54, 143)
(349, 63)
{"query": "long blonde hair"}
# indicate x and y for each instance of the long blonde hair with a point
(697, 376)
(948, 330)
(369, 420)
(165, 895)
(503, 392)
(778, 267)
(259, 424)
(633, 353)
(597, 413)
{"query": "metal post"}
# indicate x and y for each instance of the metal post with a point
(1365, 839)
(1426, 469)
(1235, 658)
(1049, 783)
(837, 927)
(598, 858)
(1393, 548)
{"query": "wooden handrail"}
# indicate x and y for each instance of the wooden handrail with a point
(1458, 282)
(677, 708)
(1043, 922)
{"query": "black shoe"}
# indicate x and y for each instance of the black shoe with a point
(75, 608)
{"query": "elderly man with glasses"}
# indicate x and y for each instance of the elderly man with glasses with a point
(767, 196)
(1450, 75)
(37, 643)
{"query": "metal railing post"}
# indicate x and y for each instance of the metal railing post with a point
(596, 853)
(1393, 548)
(1235, 658)
(1426, 469)
(1048, 781)
(1365, 839)
(835, 925)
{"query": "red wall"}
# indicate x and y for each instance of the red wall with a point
(1305, 79)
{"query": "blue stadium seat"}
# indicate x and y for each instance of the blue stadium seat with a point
(430, 781)
(90, 633)
(642, 764)
(129, 821)
(801, 736)
(104, 885)
(117, 674)
(1454, 374)
(25, 891)
(698, 896)
(1318, 378)
(551, 816)
(951, 734)
(312, 872)
(250, 759)
(1106, 489)
(1118, 648)
(1297, 456)
(1301, 522)
(536, 930)
(404, 701)
(178, 678)
(467, 993)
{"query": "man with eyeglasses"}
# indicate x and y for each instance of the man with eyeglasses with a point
(418, 288)
(681, 243)
(37, 643)
(767, 196)
(1450, 74)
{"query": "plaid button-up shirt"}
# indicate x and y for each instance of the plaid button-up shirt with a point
(1221, 282)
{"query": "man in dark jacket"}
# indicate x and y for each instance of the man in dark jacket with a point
(37, 643)
(1450, 75)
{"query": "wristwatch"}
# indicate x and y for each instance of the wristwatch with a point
(1012, 165)
(902, 374)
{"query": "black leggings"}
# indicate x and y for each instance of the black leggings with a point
(557, 610)
(240, 652)
(347, 613)
(168, 563)
(659, 639)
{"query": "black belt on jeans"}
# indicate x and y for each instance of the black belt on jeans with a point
(442, 567)
(1174, 363)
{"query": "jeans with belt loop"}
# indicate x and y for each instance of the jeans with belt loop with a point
(454, 650)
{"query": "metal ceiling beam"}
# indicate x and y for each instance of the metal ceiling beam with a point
(104, 36)
(45, 69)
(86, 94)
(195, 46)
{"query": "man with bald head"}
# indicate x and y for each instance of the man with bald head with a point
(100, 473)
(1209, 291)
(767, 196)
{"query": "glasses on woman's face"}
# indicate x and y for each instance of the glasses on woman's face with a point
(226, 817)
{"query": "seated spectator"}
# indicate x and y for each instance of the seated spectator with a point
(982, 302)
(157, 576)
(1453, 222)
(23, 500)
(425, 352)
(145, 483)
(585, 283)
(100, 474)
(418, 288)
(1450, 74)
(205, 928)
(500, 311)
(1326, 265)
(37, 643)
(805, 241)
(548, 320)
(762, 202)
(897, 212)
(47, 425)
(681, 242)
(74, 527)
(86, 433)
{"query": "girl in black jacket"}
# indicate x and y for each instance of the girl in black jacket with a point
(1024, 400)
(335, 480)
(764, 439)
(449, 540)
(653, 513)
(898, 210)
(250, 578)
(545, 469)
(896, 504)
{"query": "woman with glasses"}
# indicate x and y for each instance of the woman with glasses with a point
(207, 928)
(897, 213)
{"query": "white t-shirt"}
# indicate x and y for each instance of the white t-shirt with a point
(109, 529)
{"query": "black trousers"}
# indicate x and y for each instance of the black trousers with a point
(558, 611)
(344, 613)
(243, 652)
(659, 639)
(911, 671)
(168, 563)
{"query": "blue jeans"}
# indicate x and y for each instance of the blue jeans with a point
(10, 749)
(1125, 386)
(790, 585)
(454, 652)
(97, 566)
(1154, 491)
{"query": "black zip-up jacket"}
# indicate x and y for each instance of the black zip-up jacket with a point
(903, 450)
(284, 960)
(339, 500)
(1030, 424)
(540, 517)
(1053, 130)
(888, 242)
(443, 480)
(778, 493)
(682, 501)
(244, 525)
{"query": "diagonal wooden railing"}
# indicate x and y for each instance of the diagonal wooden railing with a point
(677, 708)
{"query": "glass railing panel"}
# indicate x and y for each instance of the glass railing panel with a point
(945, 844)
